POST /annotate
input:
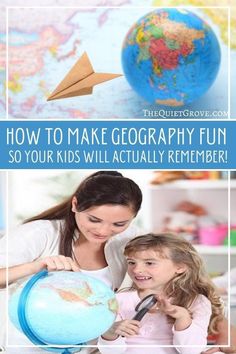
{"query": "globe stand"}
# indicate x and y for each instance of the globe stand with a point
(23, 320)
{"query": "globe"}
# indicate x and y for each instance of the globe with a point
(62, 308)
(171, 57)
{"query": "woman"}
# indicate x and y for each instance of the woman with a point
(78, 233)
(87, 233)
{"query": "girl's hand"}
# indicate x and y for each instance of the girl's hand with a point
(54, 263)
(182, 316)
(124, 328)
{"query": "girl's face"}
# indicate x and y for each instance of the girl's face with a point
(99, 223)
(150, 270)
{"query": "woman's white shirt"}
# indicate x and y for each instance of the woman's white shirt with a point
(41, 238)
(103, 274)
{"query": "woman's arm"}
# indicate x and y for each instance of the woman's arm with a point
(52, 263)
(32, 247)
(15, 273)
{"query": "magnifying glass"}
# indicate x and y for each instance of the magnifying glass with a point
(144, 306)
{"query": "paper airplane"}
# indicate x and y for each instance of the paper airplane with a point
(80, 80)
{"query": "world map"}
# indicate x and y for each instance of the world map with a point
(87, 306)
(82, 294)
(171, 57)
(44, 42)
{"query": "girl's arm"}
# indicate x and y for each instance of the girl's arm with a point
(195, 336)
(117, 335)
(52, 263)
(105, 347)
(189, 330)
(181, 315)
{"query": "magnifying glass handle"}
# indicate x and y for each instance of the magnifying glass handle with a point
(139, 315)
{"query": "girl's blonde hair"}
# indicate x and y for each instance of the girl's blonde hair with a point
(185, 287)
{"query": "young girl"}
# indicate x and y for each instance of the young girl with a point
(169, 267)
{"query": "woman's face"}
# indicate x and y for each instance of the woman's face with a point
(99, 223)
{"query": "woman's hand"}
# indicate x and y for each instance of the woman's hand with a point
(124, 328)
(26, 269)
(54, 263)
(182, 316)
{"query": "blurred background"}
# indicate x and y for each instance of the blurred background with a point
(3, 297)
(2, 202)
(196, 204)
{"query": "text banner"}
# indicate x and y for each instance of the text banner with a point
(118, 144)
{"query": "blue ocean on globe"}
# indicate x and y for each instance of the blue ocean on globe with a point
(63, 308)
(171, 57)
